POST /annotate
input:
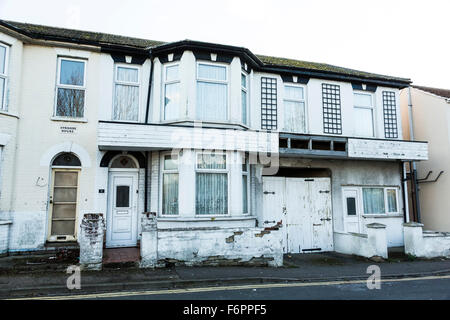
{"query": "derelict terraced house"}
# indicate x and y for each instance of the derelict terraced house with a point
(213, 139)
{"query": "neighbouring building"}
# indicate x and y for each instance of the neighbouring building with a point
(212, 138)
(430, 111)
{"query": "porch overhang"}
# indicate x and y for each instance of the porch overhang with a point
(142, 137)
(335, 147)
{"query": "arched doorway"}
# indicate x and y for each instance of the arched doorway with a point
(64, 194)
(121, 223)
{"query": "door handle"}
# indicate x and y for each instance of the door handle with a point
(327, 219)
(269, 192)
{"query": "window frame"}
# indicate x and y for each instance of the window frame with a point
(166, 82)
(372, 108)
(245, 89)
(226, 82)
(69, 86)
(386, 205)
(3, 103)
(125, 83)
(161, 183)
(246, 173)
(226, 170)
(304, 100)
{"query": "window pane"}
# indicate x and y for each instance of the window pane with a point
(294, 93)
(64, 211)
(67, 194)
(170, 163)
(244, 194)
(351, 206)
(170, 193)
(66, 179)
(72, 72)
(62, 227)
(126, 103)
(211, 161)
(2, 94)
(127, 74)
(244, 107)
(172, 101)
(363, 122)
(70, 103)
(392, 200)
(2, 59)
(211, 101)
(243, 80)
(122, 196)
(362, 100)
(212, 193)
(123, 162)
(373, 199)
(212, 72)
(294, 116)
(172, 73)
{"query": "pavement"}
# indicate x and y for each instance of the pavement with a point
(45, 275)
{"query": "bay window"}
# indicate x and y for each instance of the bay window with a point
(70, 88)
(170, 185)
(212, 92)
(126, 93)
(363, 113)
(380, 200)
(3, 77)
(294, 109)
(171, 92)
(244, 97)
(211, 185)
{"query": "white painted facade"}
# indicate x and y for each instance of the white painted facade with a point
(32, 137)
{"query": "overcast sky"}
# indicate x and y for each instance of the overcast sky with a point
(396, 37)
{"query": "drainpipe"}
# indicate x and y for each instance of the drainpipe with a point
(413, 173)
(146, 121)
(405, 193)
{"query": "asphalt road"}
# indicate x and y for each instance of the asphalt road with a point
(424, 288)
(436, 289)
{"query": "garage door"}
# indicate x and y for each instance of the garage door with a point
(304, 206)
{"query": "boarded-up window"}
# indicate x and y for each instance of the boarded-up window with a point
(268, 103)
(331, 100)
(390, 115)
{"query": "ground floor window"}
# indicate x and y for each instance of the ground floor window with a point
(377, 200)
(170, 185)
(211, 184)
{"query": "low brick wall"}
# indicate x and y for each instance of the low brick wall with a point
(210, 246)
(372, 244)
(4, 236)
(425, 244)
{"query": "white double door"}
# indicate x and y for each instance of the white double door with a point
(304, 206)
(121, 224)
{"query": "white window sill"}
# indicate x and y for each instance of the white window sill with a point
(209, 218)
(9, 114)
(385, 215)
(67, 119)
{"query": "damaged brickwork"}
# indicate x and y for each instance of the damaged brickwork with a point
(91, 241)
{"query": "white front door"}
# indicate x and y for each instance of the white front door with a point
(121, 228)
(305, 206)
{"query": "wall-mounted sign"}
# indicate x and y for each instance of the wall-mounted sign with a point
(67, 129)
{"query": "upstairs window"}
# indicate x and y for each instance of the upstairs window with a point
(70, 88)
(3, 76)
(268, 103)
(390, 115)
(331, 100)
(363, 114)
(212, 92)
(245, 184)
(244, 97)
(171, 92)
(294, 109)
(126, 93)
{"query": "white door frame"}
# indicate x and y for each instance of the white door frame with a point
(134, 173)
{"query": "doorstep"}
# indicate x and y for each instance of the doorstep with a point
(121, 255)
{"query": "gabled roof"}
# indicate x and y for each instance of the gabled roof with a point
(276, 64)
(444, 93)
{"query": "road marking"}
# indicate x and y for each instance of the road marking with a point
(227, 288)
